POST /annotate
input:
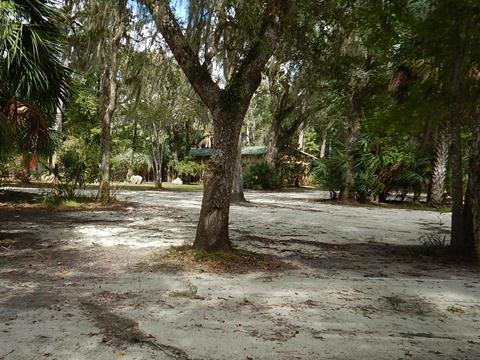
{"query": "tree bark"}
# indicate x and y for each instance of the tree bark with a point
(272, 141)
(279, 116)
(109, 94)
(472, 196)
(212, 229)
(456, 186)
(301, 137)
(281, 109)
(439, 172)
(324, 144)
(457, 238)
(251, 133)
(238, 195)
(351, 135)
(158, 156)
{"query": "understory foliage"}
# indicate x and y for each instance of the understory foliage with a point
(381, 170)
(187, 169)
(261, 176)
(72, 174)
(32, 78)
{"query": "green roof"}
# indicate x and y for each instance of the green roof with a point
(246, 150)
(254, 150)
(201, 152)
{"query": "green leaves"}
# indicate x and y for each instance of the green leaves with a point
(33, 80)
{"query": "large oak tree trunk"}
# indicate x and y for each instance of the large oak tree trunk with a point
(212, 229)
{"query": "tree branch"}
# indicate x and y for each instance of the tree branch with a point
(188, 60)
(248, 73)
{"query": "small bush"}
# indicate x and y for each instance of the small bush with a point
(139, 163)
(73, 173)
(260, 175)
(327, 173)
(187, 169)
(434, 244)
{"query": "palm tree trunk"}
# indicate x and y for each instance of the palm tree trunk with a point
(439, 172)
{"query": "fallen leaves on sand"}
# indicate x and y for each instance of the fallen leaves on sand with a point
(185, 258)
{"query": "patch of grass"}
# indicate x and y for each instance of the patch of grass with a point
(147, 186)
(150, 186)
(24, 200)
(186, 258)
(455, 309)
(403, 205)
(434, 244)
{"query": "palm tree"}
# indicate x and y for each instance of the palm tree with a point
(32, 78)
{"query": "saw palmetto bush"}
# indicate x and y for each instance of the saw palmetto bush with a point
(328, 171)
(379, 168)
(32, 79)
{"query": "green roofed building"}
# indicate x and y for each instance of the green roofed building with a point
(253, 152)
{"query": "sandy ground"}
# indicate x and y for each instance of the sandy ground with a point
(70, 287)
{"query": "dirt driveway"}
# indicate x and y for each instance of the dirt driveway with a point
(71, 287)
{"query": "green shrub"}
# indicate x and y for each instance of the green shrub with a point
(260, 176)
(187, 169)
(327, 172)
(138, 162)
(73, 173)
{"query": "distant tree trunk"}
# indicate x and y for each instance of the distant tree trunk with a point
(251, 134)
(324, 144)
(109, 93)
(457, 238)
(281, 108)
(301, 137)
(157, 145)
(352, 132)
(57, 128)
(472, 196)
(158, 156)
(237, 191)
(272, 141)
(439, 172)
(457, 186)
(280, 114)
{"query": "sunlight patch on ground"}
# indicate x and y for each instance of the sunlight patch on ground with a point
(108, 236)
